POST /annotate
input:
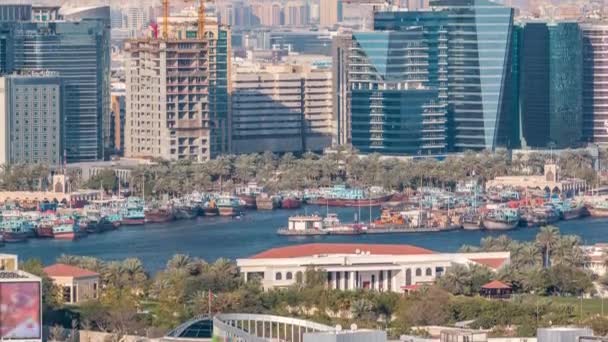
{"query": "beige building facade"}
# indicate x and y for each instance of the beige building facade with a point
(76, 285)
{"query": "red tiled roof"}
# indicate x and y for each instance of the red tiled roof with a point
(413, 287)
(495, 285)
(339, 248)
(494, 263)
(63, 270)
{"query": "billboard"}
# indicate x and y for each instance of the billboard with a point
(20, 310)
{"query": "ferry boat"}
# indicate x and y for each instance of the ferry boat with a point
(133, 212)
(291, 203)
(229, 206)
(67, 228)
(501, 219)
(340, 196)
(16, 230)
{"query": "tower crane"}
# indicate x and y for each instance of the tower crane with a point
(201, 19)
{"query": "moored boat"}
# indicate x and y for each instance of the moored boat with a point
(159, 215)
(67, 228)
(229, 206)
(291, 203)
(15, 230)
(340, 196)
(133, 212)
(267, 202)
(471, 221)
(501, 219)
(598, 209)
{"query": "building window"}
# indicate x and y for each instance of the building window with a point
(94, 290)
(299, 277)
(389, 277)
(438, 271)
(288, 276)
(429, 272)
(338, 274)
(373, 282)
(278, 276)
(66, 293)
(381, 280)
(346, 280)
(418, 272)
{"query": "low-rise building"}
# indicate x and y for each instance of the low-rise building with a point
(550, 181)
(595, 258)
(77, 284)
(360, 266)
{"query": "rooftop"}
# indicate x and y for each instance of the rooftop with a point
(311, 249)
(63, 270)
(496, 285)
(494, 263)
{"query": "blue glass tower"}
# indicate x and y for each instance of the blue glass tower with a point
(551, 84)
(471, 60)
(393, 110)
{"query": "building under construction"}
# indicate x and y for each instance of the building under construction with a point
(177, 103)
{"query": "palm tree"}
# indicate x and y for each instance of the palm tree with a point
(179, 262)
(361, 309)
(527, 255)
(68, 259)
(135, 272)
(546, 239)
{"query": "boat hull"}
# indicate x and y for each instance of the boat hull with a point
(44, 232)
(11, 237)
(249, 201)
(210, 211)
(291, 203)
(499, 225)
(574, 214)
(70, 236)
(471, 226)
(595, 212)
(133, 221)
(266, 204)
(229, 211)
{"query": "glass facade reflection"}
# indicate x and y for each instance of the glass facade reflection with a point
(471, 57)
(393, 109)
(551, 84)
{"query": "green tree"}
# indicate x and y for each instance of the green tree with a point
(546, 239)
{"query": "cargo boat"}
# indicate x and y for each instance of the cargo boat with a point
(229, 206)
(598, 209)
(471, 221)
(67, 229)
(266, 202)
(185, 212)
(501, 219)
(291, 203)
(133, 212)
(159, 215)
(249, 200)
(15, 230)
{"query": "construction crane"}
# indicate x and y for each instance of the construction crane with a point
(201, 19)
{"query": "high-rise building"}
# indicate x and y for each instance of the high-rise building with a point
(472, 55)
(58, 46)
(341, 46)
(329, 12)
(167, 99)
(281, 108)
(31, 120)
(393, 110)
(15, 12)
(595, 87)
(551, 84)
(118, 111)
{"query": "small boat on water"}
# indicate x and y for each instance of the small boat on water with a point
(185, 212)
(501, 219)
(598, 209)
(471, 221)
(210, 208)
(229, 206)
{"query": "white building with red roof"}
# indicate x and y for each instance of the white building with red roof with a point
(360, 266)
(76, 284)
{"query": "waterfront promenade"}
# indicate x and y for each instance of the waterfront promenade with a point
(214, 237)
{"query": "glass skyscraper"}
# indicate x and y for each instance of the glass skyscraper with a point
(471, 60)
(79, 51)
(551, 96)
(393, 110)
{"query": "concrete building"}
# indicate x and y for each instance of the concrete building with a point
(595, 78)
(281, 108)
(360, 266)
(549, 181)
(562, 334)
(15, 12)
(31, 118)
(58, 46)
(77, 285)
(167, 99)
(595, 260)
(8, 262)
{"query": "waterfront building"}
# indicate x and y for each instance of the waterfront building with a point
(471, 55)
(551, 84)
(595, 87)
(550, 181)
(57, 47)
(76, 285)
(341, 46)
(394, 111)
(188, 117)
(31, 118)
(281, 108)
(360, 266)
